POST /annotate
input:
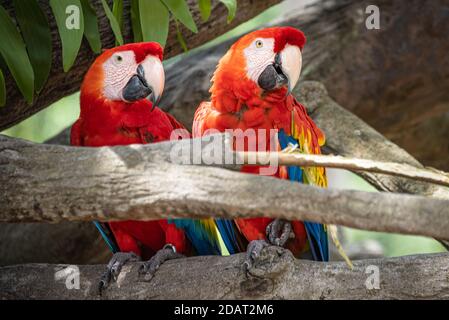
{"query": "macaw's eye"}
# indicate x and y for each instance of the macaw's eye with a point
(118, 58)
(259, 44)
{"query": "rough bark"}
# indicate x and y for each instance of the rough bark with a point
(61, 84)
(346, 135)
(276, 276)
(48, 183)
(292, 158)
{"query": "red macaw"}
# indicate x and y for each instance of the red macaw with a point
(115, 111)
(252, 90)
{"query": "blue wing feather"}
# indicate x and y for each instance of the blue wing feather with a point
(227, 232)
(107, 236)
(201, 234)
(316, 233)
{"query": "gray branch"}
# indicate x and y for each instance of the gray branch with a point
(276, 276)
(50, 183)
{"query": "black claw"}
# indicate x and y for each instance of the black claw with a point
(253, 251)
(278, 232)
(149, 268)
(118, 260)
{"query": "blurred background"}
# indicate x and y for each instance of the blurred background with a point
(60, 115)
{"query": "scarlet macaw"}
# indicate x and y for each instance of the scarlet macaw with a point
(252, 90)
(115, 111)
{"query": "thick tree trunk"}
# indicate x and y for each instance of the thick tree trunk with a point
(276, 276)
(61, 84)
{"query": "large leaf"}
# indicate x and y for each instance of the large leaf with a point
(154, 18)
(232, 8)
(113, 22)
(135, 21)
(205, 9)
(117, 11)
(180, 37)
(91, 26)
(14, 52)
(37, 35)
(70, 21)
(180, 10)
(2, 89)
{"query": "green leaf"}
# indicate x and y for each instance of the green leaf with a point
(154, 18)
(113, 23)
(2, 89)
(37, 35)
(70, 22)
(180, 37)
(14, 52)
(180, 10)
(205, 9)
(117, 11)
(135, 21)
(232, 8)
(91, 26)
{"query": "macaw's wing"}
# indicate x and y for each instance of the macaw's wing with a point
(307, 138)
(75, 134)
(77, 139)
(107, 235)
(233, 239)
(202, 115)
(227, 230)
(175, 123)
(202, 233)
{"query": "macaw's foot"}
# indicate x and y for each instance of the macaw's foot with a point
(149, 268)
(118, 260)
(279, 231)
(253, 251)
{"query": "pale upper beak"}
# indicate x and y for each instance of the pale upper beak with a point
(291, 62)
(284, 71)
(148, 81)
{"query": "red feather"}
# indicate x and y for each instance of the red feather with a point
(108, 123)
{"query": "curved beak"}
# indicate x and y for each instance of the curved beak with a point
(147, 82)
(284, 71)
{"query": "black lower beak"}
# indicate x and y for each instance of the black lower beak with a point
(272, 77)
(137, 87)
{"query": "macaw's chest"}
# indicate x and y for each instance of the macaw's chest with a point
(127, 129)
(253, 128)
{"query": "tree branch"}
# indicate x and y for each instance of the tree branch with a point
(276, 276)
(391, 168)
(57, 183)
(61, 84)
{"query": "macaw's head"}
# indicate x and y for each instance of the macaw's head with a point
(262, 62)
(126, 73)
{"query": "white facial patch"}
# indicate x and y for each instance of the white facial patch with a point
(118, 69)
(259, 55)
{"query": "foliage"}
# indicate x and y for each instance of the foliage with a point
(26, 46)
